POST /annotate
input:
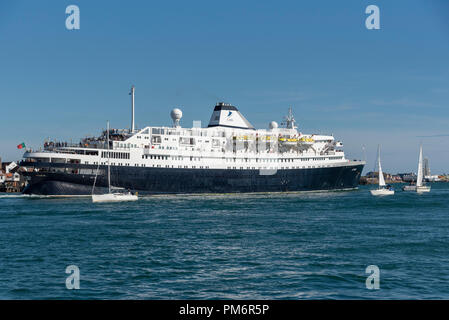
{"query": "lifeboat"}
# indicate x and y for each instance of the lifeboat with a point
(243, 138)
(305, 143)
(288, 141)
(263, 138)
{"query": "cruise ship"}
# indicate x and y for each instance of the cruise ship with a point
(227, 156)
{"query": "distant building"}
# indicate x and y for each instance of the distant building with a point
(11, 179)
(371, 174)
(2, 174)
(432, 178)
(373, 178)
(407, 177)
(426, 169)
(396, 178)
(10, 167)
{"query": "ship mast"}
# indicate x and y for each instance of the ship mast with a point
(132, 108)
(109, 167)
(289, 120)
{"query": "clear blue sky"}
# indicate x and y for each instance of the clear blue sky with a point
(387, 86)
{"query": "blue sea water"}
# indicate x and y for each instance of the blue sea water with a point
(253, 246)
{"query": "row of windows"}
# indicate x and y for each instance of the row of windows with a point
(115, 155)
(147, 156)
(197, 133)
(166, 148)
(235, 159)
(125, 145)
(280, 160)
(172, 166)
(113, 164)
(207, 167)
(276, 168)
(154, 157)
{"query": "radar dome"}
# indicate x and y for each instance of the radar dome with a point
(273, 125)
(176, 115)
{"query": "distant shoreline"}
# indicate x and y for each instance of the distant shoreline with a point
(366, 181)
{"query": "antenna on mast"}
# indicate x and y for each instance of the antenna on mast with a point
(132, 108)
(289, 120)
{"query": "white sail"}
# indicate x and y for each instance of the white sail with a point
(420, 171)
(382, 190)
(381, 174)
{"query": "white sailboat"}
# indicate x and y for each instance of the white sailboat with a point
(111, 197)
(420, 187)
(383, 189)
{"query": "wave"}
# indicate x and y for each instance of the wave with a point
(13, 195)
(35, 196)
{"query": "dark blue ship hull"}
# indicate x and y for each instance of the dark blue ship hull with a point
(75, 181)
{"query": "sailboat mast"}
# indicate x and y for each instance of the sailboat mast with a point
(109, 167)
(378, 157)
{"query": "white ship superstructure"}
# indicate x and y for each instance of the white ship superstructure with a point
(228, 144)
